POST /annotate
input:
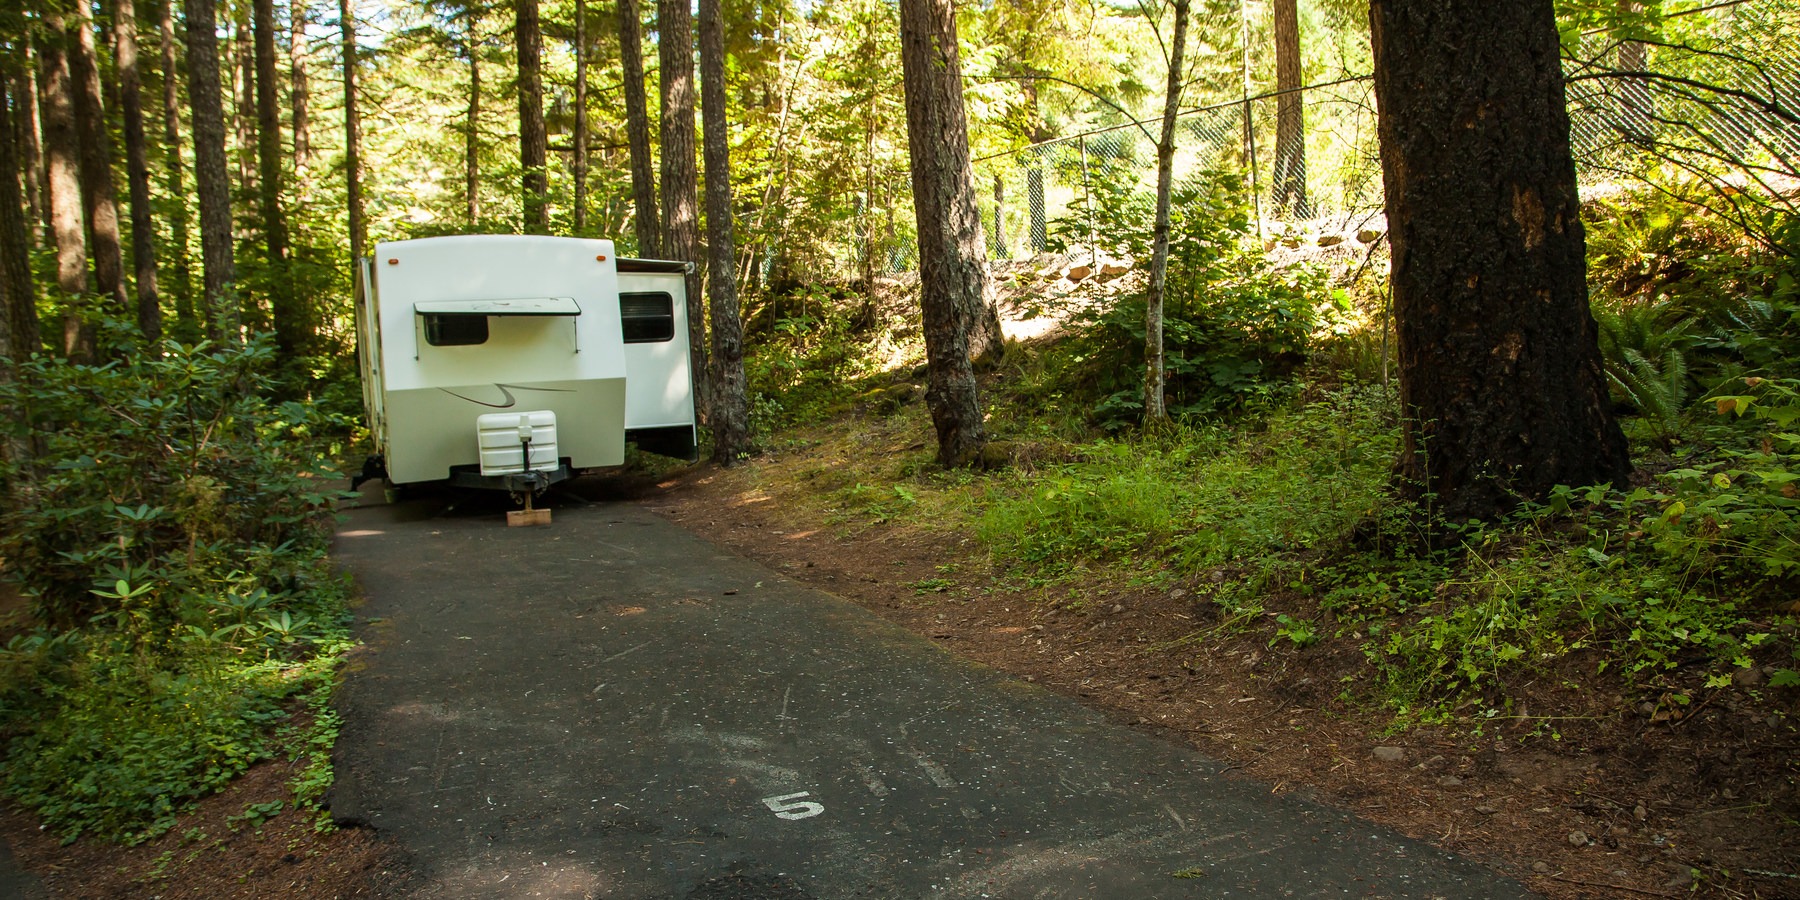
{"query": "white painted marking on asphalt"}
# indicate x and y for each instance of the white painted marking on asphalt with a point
(873, 782)
(627, 652)
(939, 776)
(785, 807)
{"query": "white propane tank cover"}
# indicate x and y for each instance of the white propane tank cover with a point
(502, 437)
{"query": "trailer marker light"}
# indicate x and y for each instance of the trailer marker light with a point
(393, 261)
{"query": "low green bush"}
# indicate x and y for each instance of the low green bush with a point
(169, 524)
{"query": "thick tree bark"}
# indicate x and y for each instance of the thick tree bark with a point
(472, 137)
(353, 186)
(187, 324)
(293, 320)
(534, 144)
(730, 406)
(240, 64)
(680, 190)
(99, 192)
(137, 168)
(62, 181)
(18, 291)
(645, 222)
(1155, 410)
(953, 277)
(1290, 117)
(299, 89)
(25, 126)
(1500, 376)
(212, 175)
(580, 167)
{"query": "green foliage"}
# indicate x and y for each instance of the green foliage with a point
(156, 480)
(1203, 497)
(804, 363)
(1646, 365)
(1233, 329)
(123, 742)
(1687, 572)
(170, 528)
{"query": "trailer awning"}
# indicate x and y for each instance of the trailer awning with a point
(538, 306)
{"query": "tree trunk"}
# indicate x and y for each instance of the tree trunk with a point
(472, 139)
(534, 144)
(292, 319)
(1500, 376)
(62, 180)
(137, 168)
(637, 128)
(187, 324)
(18, 290)
(240, 62)
(99, 193)
(953, 278)
(1155, 411)
(25, 127)
(353, 187)
(580, 167)
(675, 47)
(1290, 119)
(212, 175)
(730, 418)
(299, 97)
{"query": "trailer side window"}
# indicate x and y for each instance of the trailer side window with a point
(647, 317)
(455, 331)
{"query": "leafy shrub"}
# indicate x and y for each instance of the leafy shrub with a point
(169, 524)
(128, 743)
(1233, 328)
(159, 473)
(803, 366)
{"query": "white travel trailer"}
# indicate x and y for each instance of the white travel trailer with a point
(515, 361)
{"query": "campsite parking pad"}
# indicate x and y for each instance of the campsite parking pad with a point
(612, 707)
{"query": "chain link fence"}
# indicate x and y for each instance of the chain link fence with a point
(1713, 111)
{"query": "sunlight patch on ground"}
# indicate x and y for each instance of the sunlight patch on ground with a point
(361, 532)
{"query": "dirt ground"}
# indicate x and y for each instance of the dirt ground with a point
(213, 852)
(1607, 797)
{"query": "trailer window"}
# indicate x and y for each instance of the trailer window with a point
(647, 317)
(455, 331)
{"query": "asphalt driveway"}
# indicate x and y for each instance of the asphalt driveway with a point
(612, 707)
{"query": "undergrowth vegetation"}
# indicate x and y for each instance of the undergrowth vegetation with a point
(1272, 501)
(168, 524)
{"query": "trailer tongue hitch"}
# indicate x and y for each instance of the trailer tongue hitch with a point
(528, 515)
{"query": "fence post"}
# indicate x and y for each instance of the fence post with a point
(1001, 250)
(1087, 197)
(1255, 192)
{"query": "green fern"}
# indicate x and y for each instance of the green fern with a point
(1645, 357)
